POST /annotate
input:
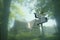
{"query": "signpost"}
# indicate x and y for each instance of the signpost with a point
(41, 20)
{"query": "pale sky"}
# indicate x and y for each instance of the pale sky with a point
(50, 23)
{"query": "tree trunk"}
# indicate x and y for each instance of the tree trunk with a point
(57, 15)
(4, 14)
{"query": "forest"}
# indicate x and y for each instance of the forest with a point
(26, 19)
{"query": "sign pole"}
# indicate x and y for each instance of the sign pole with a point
(41, 25)
(41, 20)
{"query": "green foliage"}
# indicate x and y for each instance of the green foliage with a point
(44, 6)
(20, 32)
(22, 35)
(14, 9)
(20, 1)
(1, 4)
(53, 37)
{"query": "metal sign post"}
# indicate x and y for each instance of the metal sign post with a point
(43, 35)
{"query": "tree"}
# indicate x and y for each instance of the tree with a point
(57, 15)
(4, 15)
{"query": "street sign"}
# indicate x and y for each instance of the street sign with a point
(41, 18)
